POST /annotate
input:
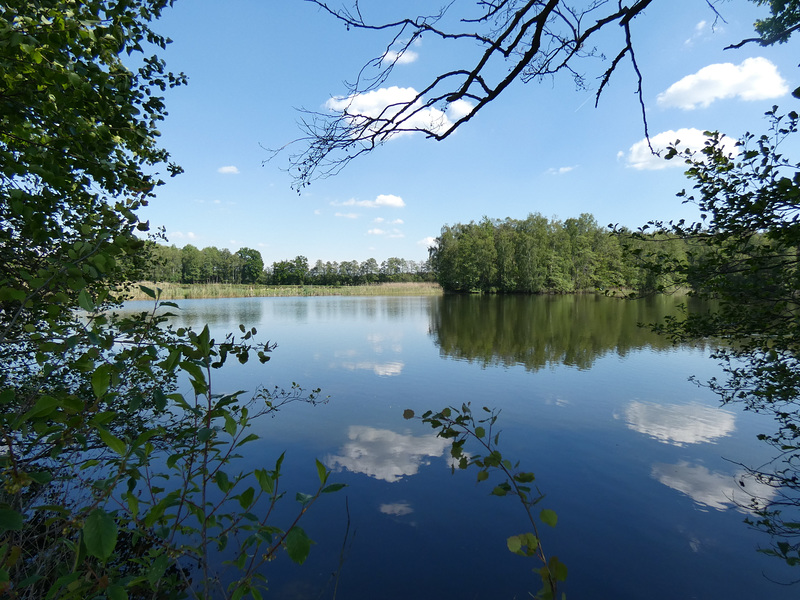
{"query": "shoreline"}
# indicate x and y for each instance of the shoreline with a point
(192, 291)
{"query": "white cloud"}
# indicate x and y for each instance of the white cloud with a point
(458, 109)
(383, 200)
(346, 215)
(189, 235)
(754, 79)
(394, 233)
(389, 200)
(560, 170)
(699, 31)
(640, 157)
(428, 242)
(228, 170)
(407, 57)
(386, 104)
(393, 222)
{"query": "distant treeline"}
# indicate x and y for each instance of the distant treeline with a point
(189, 264)
(538, 255)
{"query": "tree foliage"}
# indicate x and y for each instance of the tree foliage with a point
(743, 255)
(492, 44)
(534, 255)
(106, 465)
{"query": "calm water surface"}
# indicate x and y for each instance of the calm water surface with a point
(641, 465)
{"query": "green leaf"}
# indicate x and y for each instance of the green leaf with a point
(44, 406)
(41, 477)
(239, 592)
(549, 517)
(85, 301)
(303, 498)
(514, 544)
(483, 475)
(157, 569)
(480, 432)
(100, 534)
(557, 568)
(222, 481)
(230, 425)
(113, 442)
(10, 520)
(265, 480)
(322, 472)
(408, 414)
(116, 592)
(502, 489)
(334, 487)
(298, 545)
(251, 437)
(101, 379)
(246, 498)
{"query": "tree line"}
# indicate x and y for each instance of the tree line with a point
(540, 255)
(170, 264)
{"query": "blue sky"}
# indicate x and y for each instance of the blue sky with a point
(540, 147)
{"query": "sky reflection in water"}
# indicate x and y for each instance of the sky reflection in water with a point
(640, 464)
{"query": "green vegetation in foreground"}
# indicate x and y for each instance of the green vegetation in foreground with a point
(188, 291)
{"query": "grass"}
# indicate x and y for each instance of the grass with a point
(176, 291)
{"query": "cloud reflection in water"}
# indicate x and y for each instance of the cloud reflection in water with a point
(387, 369)
(397, 509)
(385, 454)
(714, 490)
(680, 424)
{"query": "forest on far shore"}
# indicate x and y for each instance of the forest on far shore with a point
(188, 265)
(538, 255)
(533, 255)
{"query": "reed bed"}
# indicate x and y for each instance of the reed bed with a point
(176, 291)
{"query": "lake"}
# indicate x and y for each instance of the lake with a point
(641, 465)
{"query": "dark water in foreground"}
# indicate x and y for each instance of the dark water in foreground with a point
(640, 464)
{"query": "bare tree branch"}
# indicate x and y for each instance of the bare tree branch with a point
(518, 40)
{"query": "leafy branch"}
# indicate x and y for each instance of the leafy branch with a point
(462, 426)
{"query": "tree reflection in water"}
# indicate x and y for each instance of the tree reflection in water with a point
(577, 330)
